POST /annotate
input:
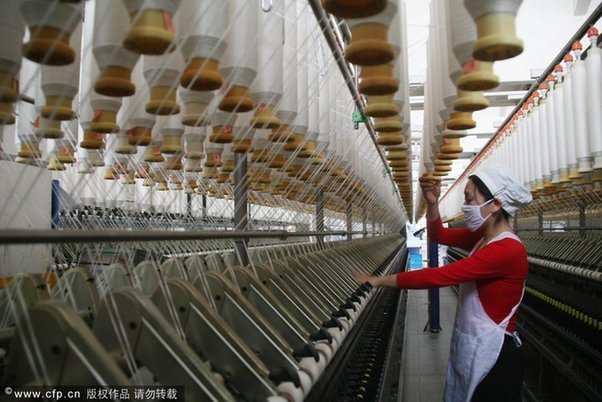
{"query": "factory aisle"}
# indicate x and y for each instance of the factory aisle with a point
(426, 353)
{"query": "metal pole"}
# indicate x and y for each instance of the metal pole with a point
(365, 223)
(240, 206)
(204, 206)
(43, 236)
(55, 208)
(433, 257)
(349, 220)
(320, 215)
(188, 204)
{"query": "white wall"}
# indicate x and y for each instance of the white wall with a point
(25, 203)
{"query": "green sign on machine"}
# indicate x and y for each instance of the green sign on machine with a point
(358, 117)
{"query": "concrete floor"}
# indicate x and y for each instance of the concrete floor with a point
(426, 353)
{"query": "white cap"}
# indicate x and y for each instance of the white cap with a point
(504, 186)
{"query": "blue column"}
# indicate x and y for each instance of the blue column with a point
(55, 209)
(433, 257)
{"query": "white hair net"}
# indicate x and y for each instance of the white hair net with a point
(502, 184)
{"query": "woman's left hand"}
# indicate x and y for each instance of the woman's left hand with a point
(363, 278)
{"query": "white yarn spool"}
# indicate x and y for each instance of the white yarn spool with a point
(543, 138)
(122, 144)
(213, 153)
(201, 38)
(105, 113)
(463, 31)
(239, 64)
(195, 138)
(243, 132)
(51, 26)
(569, 122)
(315, 99)
(287, 112)
(593, 68)
(552, 131)
(12, 28)
(327, 100)
(266, 90)
(579, 99)
(532, 133)
(221, 127)
(152, 31)
(260, 141)
(133, 115)
(561, 134)
(528, 134)
(495, 21)
(162, 75)
(171, 130)
(115, 62)
(96, 157)
(84, 166)
(302, 121)
(365, 32)
(462, 36)
(196, 104)
(61, 83)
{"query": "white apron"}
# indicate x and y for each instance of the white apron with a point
(476, 341)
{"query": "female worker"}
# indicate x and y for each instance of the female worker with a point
(484, 362)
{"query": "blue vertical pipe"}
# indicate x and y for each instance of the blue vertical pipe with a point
(433, 257)
(54, 206)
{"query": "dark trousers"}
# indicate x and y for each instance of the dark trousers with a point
(503, 382)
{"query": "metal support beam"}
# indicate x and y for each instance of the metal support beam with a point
(349, 220)
(320, 215)
(43, 236)
(582, 219)
(433, 324)
(55, 207)
(365, 223)
(188, 204)
(241, 218)
(204, 206)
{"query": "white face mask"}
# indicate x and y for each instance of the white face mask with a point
(472, 215)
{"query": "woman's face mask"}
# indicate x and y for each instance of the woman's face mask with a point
(472, 215)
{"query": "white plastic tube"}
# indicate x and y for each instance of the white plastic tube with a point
(593, 68)
(239, 64)
(133, 115)
(60, 84)
(543, 138)
(266, 90)
(12, 28)
(152, 31)
(303, 38)
(552, 135)
(51, 25)
(579, 101)
(115, 62)
(569, 121)
(561, 133)
(162, 74)
(287, 112)
(201, 37)
(495, 21)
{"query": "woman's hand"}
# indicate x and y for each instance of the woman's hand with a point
(363, 278)
(431, 189)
